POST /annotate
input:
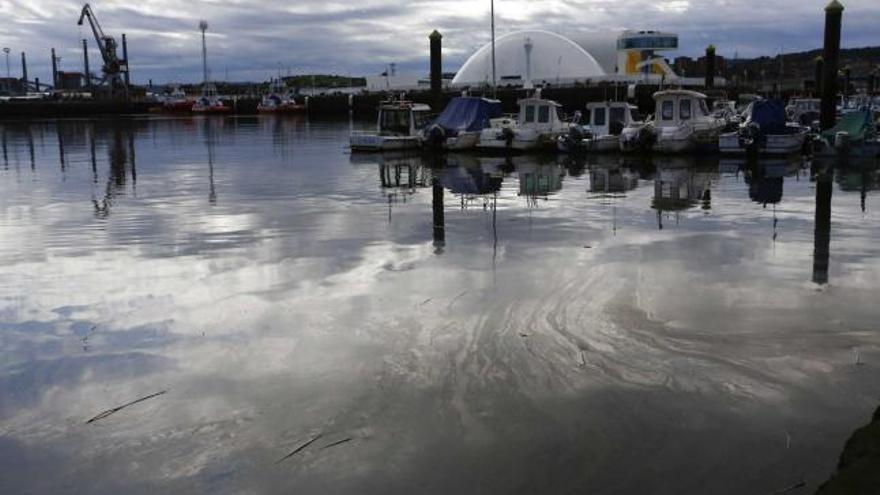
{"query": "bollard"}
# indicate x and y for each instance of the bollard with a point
(831, 57)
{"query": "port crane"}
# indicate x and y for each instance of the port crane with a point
(115, 69)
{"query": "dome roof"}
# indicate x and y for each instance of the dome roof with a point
(551, 57)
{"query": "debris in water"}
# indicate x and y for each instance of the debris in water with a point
(300, 448)
(426, 301)
(334, 444)
(583, 363)
(108, 412)
(857, 357)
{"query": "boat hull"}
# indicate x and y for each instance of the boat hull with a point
(375, 142)
(775, 144)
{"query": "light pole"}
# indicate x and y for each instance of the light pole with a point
(6, 50)
(203, 26)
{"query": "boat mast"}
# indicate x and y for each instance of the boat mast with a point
(203, 26)
(494, 83)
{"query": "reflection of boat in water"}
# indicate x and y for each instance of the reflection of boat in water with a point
(681, 185)
(539, 179)
(612, 178)
(397, 127)
(459, 126)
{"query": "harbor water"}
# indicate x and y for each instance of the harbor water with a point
(299, 319)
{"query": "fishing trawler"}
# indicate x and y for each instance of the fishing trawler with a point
(279, 100)
(398, 127)
(209, 102)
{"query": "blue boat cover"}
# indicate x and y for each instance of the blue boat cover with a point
(468, 113)
(770, 115)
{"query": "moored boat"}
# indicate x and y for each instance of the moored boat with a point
(682, 124)
(459, 126)
(765, 131)
(537, 126)
(209, 102)
(397, 127)
(855, 135)
(279, 100)
(600, 133)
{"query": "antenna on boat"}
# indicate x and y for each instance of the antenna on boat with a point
(494, 80)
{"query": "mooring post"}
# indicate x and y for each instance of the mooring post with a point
(437, 69)
(820, 74)
(86, 64)
(847, 80)
(831, 57)
(125, 58)
(54, 70)
(24, 74)
(710, 67)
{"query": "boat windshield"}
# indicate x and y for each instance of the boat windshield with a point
(395, 121)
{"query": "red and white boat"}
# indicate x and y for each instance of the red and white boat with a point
(279, 101)
(209, 102)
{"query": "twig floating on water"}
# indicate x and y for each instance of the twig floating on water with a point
(334, 444)
(300, 448)
(108, 412)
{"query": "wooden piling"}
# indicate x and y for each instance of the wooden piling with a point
(710, 67)
(831, 57)
(436, 70)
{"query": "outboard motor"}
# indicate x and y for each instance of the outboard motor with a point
(508, 135)
(436, 136)
(842, 142)
(751, 137)
(646, 138)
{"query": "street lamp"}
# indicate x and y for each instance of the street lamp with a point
(6, 50)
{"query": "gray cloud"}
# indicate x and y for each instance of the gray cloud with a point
(253, 40)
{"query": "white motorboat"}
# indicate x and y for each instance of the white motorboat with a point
(601, 130)
(804, 111)
(537, 126)
(765, 131)
(459, 126)
(398, 127)
(682, 124)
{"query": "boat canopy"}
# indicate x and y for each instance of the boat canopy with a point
(857, 124)
(468, 113)
(770, 115)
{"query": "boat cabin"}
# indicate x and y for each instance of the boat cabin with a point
(609, 118)
(540, 114)
(402, 118)
(679, 106)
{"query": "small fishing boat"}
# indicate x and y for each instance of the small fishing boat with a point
(176, 101)
(459, 126)
(855, 135)
(682, 124)
(279, 100)
(804, 111)
(765, 131)
(537, 126)
(398, 127)
(209, 102)
(600, 133)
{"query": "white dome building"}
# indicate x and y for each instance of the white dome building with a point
(529, 57)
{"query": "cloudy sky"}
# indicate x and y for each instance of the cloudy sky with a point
(253, 40)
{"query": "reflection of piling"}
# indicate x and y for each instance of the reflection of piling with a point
(710, 67)
(86, 64)
(822, 232)
(437, 208)
(831, 57)
(436, 69)
(820, 74)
